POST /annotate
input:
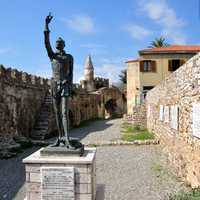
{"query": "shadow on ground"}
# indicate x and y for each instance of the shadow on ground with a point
(97, 127)
(100, 192)
(12, 175)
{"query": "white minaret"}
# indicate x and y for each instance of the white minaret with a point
(89, 69)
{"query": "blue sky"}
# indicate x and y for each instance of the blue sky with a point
(112, 31)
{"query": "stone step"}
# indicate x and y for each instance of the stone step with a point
(42, 120)
(39, 132)
(36, 137)
(48, 102)
(45, 108)
(43, 115)
(41, 128)
(42, 123)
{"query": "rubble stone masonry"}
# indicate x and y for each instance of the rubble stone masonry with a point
(138, 117)
(181, 89)
(21, 96)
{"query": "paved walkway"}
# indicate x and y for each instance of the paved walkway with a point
(123, 172)
(99, 131)
(134, 173)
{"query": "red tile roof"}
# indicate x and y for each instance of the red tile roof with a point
(172, 49)
(134, 60)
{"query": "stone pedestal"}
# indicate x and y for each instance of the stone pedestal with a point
(72, 177)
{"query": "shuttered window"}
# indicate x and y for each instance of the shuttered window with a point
(174, 64)
(170, 68)
(147, 66)
(153, 66)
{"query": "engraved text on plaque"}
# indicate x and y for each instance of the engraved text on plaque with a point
(57, 183)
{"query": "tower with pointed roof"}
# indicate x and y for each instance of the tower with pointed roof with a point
(89, 69)
(88, 82)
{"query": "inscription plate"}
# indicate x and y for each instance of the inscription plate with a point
(174, 117)
(161, 112)
(149, 111)
(166, 113)
(57, 183)
(196, 120)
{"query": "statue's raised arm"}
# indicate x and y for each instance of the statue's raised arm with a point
(46, 36)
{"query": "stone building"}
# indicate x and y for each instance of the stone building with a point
(152, 66)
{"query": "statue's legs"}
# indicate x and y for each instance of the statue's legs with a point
(65, 119)
(57, 110)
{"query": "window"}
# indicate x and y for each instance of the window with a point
(146, 89)
(147, 66)
(173, 65)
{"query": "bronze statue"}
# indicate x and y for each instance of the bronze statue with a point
(62, 82)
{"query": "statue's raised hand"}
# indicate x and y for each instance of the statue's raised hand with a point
(49, 18)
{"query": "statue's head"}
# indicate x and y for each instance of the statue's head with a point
(60, 44)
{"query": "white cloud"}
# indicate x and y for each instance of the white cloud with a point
(177, 36)
(78, 72)
(109, 70)
(161, 13)
(95, 49)
(92, 46)
(81, 24)
(136, 31)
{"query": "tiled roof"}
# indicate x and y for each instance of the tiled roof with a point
(133, 60)
(172, 49)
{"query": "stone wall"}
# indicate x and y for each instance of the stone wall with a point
(21, 96)
(138, 117)
(85, 106)
(174, 126)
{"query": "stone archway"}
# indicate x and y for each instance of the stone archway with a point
(110, 108)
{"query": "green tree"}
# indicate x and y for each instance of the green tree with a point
(123, 76)
(158, 42)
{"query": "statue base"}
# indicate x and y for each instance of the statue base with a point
(76, 149)
(61, 177)
(61, 151)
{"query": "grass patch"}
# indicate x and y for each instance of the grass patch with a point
(129, 128)
(157, 168)
(132, 132)
(193, 195)
(144, 135)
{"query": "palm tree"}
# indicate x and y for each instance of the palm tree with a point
(158, 42)
(123, 76)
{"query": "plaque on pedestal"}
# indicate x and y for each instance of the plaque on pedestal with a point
(57, 183)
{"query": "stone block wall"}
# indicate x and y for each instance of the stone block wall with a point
(138, 117)
(21, 96)
(180, 89)
(84, 173)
